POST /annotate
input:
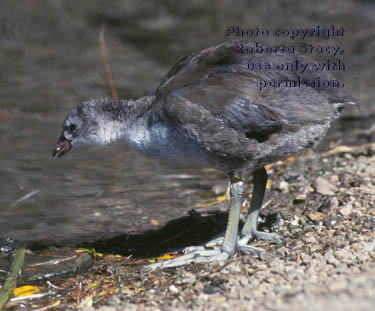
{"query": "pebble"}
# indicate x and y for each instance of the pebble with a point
(311, 240)
(216, 299)
(330, 258)
(234, 268)
(295, 220)
(334, 203)
(284, 186)
(305, 258)
(316, 216)
(300, 198)
(173, 289)
(345, 256)
(346, 210)
(324, 187)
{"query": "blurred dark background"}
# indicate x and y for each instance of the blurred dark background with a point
(50, 60)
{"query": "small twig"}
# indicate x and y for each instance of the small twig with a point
(33, 296)
(107, 68)
(55, 304)
(267, 203)
(53, 261)
(55, 286)
(11, 280)
(25, 197)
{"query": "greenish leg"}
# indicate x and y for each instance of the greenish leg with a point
(200, 254)
(249, 230)
(237, 190)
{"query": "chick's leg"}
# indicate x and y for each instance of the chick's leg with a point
(249, 230)
(200, 254)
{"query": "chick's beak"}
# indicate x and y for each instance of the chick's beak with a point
(62, 146)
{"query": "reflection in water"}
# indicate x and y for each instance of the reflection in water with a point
(89, 194)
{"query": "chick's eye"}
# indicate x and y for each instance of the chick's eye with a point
(72, 127)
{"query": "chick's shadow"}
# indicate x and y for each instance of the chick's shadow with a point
(177, 234)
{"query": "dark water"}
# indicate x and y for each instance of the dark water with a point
(50, 60)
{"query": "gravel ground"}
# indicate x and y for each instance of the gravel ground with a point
(326, 262)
